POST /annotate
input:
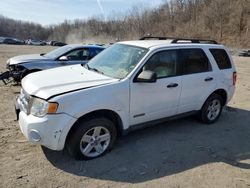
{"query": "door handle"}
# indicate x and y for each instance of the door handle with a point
(172, 85)
(208, 79)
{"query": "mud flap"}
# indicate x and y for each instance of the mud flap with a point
(5, 77)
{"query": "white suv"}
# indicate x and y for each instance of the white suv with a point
(85, 107)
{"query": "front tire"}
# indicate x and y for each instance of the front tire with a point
(91, 138)
(212, 108)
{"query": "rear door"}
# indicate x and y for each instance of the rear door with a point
(198, 79)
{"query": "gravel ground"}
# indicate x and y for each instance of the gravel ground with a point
(180, 153)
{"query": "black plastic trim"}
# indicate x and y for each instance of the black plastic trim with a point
(139, 115)
(158, 121)
(176, 39)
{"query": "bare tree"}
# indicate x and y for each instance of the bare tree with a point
(225, 20)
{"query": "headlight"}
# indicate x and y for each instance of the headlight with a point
(40, 107)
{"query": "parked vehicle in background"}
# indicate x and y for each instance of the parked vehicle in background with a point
(245, 53)
(20, 66)
(57, 43)
(1, 40)
(36, 42)
(11, 40)
(129, 85)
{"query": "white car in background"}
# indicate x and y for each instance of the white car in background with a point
(129, 85)
(36, 42)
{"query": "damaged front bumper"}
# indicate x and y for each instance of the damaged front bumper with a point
(10, 76)
(47, 131)
(50, 131)
(5, 77)
(14, 73)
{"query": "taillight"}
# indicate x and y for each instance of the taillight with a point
(234, 78)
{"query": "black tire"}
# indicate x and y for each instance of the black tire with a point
(82, 128)
(204, 113)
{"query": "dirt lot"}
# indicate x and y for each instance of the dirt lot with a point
(181, 153)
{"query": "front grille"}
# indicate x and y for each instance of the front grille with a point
(24, 100)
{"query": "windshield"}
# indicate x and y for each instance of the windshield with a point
(57, 52)
(118, 60)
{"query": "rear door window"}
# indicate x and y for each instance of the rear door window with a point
(194, 61)
(221, 58)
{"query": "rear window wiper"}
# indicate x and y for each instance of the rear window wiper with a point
(93, 69)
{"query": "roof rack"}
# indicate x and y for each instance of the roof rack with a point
(181, 40)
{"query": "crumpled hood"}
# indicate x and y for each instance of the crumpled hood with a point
(26, 58)
(51, 82)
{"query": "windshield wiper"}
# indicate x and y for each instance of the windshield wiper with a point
(93, 69)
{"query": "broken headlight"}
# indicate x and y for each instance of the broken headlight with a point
(11, 67)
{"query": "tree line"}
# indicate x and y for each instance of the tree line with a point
(227, 21)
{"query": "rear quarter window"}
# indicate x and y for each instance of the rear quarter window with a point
(221, 58)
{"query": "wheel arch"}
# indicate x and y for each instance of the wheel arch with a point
(222, 93)
(110, 114)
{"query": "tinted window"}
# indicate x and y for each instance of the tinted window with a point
(58, 52)
(97, 51)
(194, 61)
(221, 58)
(94, 52)
(78, 55)
(163, 63)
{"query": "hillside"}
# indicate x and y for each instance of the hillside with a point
(227, 21)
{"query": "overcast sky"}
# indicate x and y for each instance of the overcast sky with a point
(48, 12)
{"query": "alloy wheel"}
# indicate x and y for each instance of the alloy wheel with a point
(95, 141)
(213, 109)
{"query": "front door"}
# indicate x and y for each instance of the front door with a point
(77, 56)
(151, 101)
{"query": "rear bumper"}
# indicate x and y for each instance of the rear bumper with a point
(230, 93)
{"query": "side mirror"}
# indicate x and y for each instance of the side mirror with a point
(63, 58)
(146, 76)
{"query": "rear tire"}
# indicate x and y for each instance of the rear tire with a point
(91, 138)
(211, 110)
